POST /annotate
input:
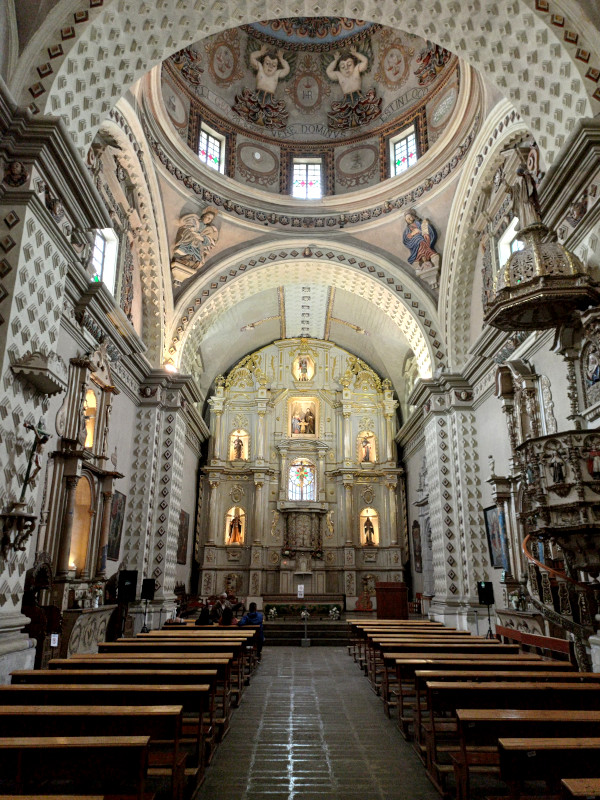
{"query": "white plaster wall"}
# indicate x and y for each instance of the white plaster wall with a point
(413, 464)
(188, 503)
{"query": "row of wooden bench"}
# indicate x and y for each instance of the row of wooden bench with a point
(477, 707)
(141, 711)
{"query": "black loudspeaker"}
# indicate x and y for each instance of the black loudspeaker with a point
(127, 585)
(147, 589)
(485, 590)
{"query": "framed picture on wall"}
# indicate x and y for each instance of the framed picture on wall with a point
(494, 536)
(117, 517)
(182, 539)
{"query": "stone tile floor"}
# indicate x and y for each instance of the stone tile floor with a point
(310, 728)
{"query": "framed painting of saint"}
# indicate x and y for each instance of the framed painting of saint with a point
(303, 416)
(117, 516)
(182, 539)
(494, 537)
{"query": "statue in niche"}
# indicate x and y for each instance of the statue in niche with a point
(420, 237)
(238, 448)
(196, 237)
(235, 529)
(557, 467)
(303, 369)
(369, 531)
(592, 368)
(356, 108)
(367, 450)
(525, 200)
(259, 106)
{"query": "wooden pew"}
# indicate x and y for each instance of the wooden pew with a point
(376, 646)
(161, 723)
(109, 763)
(405, 669)
(547, 759)
(445, 697)
(139, 677)
(583, 788)
(184, 649)
(194, 699)
(358, 631)
(422, 677)
(381, 669)
(134, 661)
(479, 730)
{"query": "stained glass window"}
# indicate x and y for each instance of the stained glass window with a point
(404, 152)
(306, 179)
(302, 480)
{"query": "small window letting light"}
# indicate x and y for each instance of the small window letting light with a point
(307, 181)
(104, 258)
(403, 151)
(508, 243)
(211, 148)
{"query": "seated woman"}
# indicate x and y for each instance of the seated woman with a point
(204, 618)
(227, 618)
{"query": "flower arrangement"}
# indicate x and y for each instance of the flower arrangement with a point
(318, 553)
(305, 614)
(272, 613)
(334, 613)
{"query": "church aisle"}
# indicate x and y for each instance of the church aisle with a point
(310, 727)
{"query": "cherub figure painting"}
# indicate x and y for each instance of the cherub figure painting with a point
(259, 106)
(356, 108)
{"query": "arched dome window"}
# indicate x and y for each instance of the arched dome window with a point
(302, 481)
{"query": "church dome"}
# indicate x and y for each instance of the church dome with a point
(356, 101)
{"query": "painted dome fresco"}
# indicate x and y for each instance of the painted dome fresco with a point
(335, 89)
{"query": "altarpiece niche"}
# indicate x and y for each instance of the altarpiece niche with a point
(303, 462)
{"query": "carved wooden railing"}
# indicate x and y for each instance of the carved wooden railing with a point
(563, 601)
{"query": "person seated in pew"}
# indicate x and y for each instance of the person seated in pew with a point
(227, 618)
(254, 617)
(204, 617)
(221, 604)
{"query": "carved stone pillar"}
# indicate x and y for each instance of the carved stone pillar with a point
(321, 479)
(216, 408)
(260, 436)
(212, 511)
(389, 437)
(348, 484)
(217, 434)
(283, 473)
(460, 552)
(391, 485)
(62, 567)
(104, 530)
(347, 436)
(259, 482)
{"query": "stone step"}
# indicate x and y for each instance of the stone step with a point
(297, 641)
(320, 632)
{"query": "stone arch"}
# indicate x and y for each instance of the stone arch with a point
(103, 50)
(501, 129)
(399, 296)
(150, 241)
